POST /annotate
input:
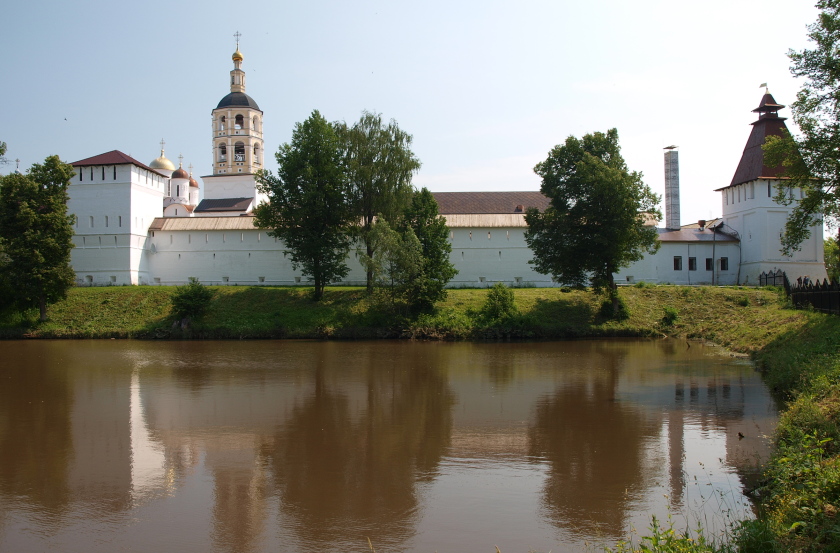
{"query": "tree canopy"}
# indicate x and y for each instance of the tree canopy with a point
(36, 234)
(810, 159)
(411, 260)
(595, 223)
(309, 204)
(380, 166)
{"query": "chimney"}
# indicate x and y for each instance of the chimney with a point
(672, 188)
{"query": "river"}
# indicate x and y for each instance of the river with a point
(321, 446)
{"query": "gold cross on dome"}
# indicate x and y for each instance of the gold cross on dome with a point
(236, 35)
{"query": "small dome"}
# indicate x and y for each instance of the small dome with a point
(237, 56)
(193, 183)
(238, 99)
(162, 163)
(180, 174)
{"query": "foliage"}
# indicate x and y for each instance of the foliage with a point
(500, 303)
(380, 165)
(396, 263)
(664, 539)
(595, 223)
(191, 300)
(411, 261)
(810, 160)
(309, 202)
(3, 148)
(832, 258)
(614, 307)
(670, 317)
(36, 234)
(421, 218)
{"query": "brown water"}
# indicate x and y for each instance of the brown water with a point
(317, 446)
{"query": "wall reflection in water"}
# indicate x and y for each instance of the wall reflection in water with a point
(308, 446)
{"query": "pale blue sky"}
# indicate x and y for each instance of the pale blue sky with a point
(487, 87)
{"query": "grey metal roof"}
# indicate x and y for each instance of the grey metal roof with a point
(693, 235)
(224, 204)
(238, 99)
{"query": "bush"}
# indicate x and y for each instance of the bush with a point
(500, 303)
(670, 317)
(621, 313)
(191, 300)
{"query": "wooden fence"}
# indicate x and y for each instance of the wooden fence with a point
(822, 296)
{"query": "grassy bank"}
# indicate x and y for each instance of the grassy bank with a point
(799, 352)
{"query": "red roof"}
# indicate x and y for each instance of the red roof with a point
(489, 202)
(751, 166)
(114, 157)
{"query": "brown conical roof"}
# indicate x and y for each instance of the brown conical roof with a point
(769, 123)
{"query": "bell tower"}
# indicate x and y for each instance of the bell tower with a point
(237, 140)
(237, 127)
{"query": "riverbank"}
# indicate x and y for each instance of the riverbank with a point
(743, 320)
(798, 351)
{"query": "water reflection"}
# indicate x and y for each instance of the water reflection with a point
(303, 446)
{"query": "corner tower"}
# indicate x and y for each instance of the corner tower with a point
(237, 141)
(750, 209)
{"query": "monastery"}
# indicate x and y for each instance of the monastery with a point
(149, 224)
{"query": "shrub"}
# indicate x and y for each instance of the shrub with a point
(191, 300)
(500, 303)
(670, 317)
(621, 313)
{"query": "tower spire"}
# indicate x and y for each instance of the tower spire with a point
(237, 76)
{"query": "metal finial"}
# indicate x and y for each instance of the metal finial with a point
(162, 144)
(236, 35)
(180, 160)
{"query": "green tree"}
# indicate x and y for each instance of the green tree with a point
(595, 223)
(37, 234)
(3, 159)
(810, 160)
(380, 166)
(308, 204)
(191, 300)
(411, 260)
(832, 258)
(421, 217)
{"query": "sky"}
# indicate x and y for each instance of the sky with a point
(487, 88)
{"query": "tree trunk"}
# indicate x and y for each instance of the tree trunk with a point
(42, 305)
(614, 296)
(369, 248)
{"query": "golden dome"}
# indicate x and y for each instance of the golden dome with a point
(162, 163)
(237, 56)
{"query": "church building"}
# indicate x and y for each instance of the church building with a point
(149, 224)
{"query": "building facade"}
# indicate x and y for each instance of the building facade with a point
(141, 224)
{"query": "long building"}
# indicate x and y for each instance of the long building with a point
(141, 224)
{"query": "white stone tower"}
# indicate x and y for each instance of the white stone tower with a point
(672, 188)
(750, 210)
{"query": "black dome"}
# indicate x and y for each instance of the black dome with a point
(238, 99)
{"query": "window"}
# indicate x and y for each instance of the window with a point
(239, 151)
(103, 172)
(106, 221)
(692, 263)
(119, 220)
(115, 172)
(724, 263)
(91, 221)
(240, 122)
(256, 153)
(222, 123)
(710, 264)
(222, 152)
(769, 189)
(91, 174)
(678, 263)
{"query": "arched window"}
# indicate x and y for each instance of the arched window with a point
(222, 123)
(256, 153)
(240, 122)
(239, 151)
(222, 152)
